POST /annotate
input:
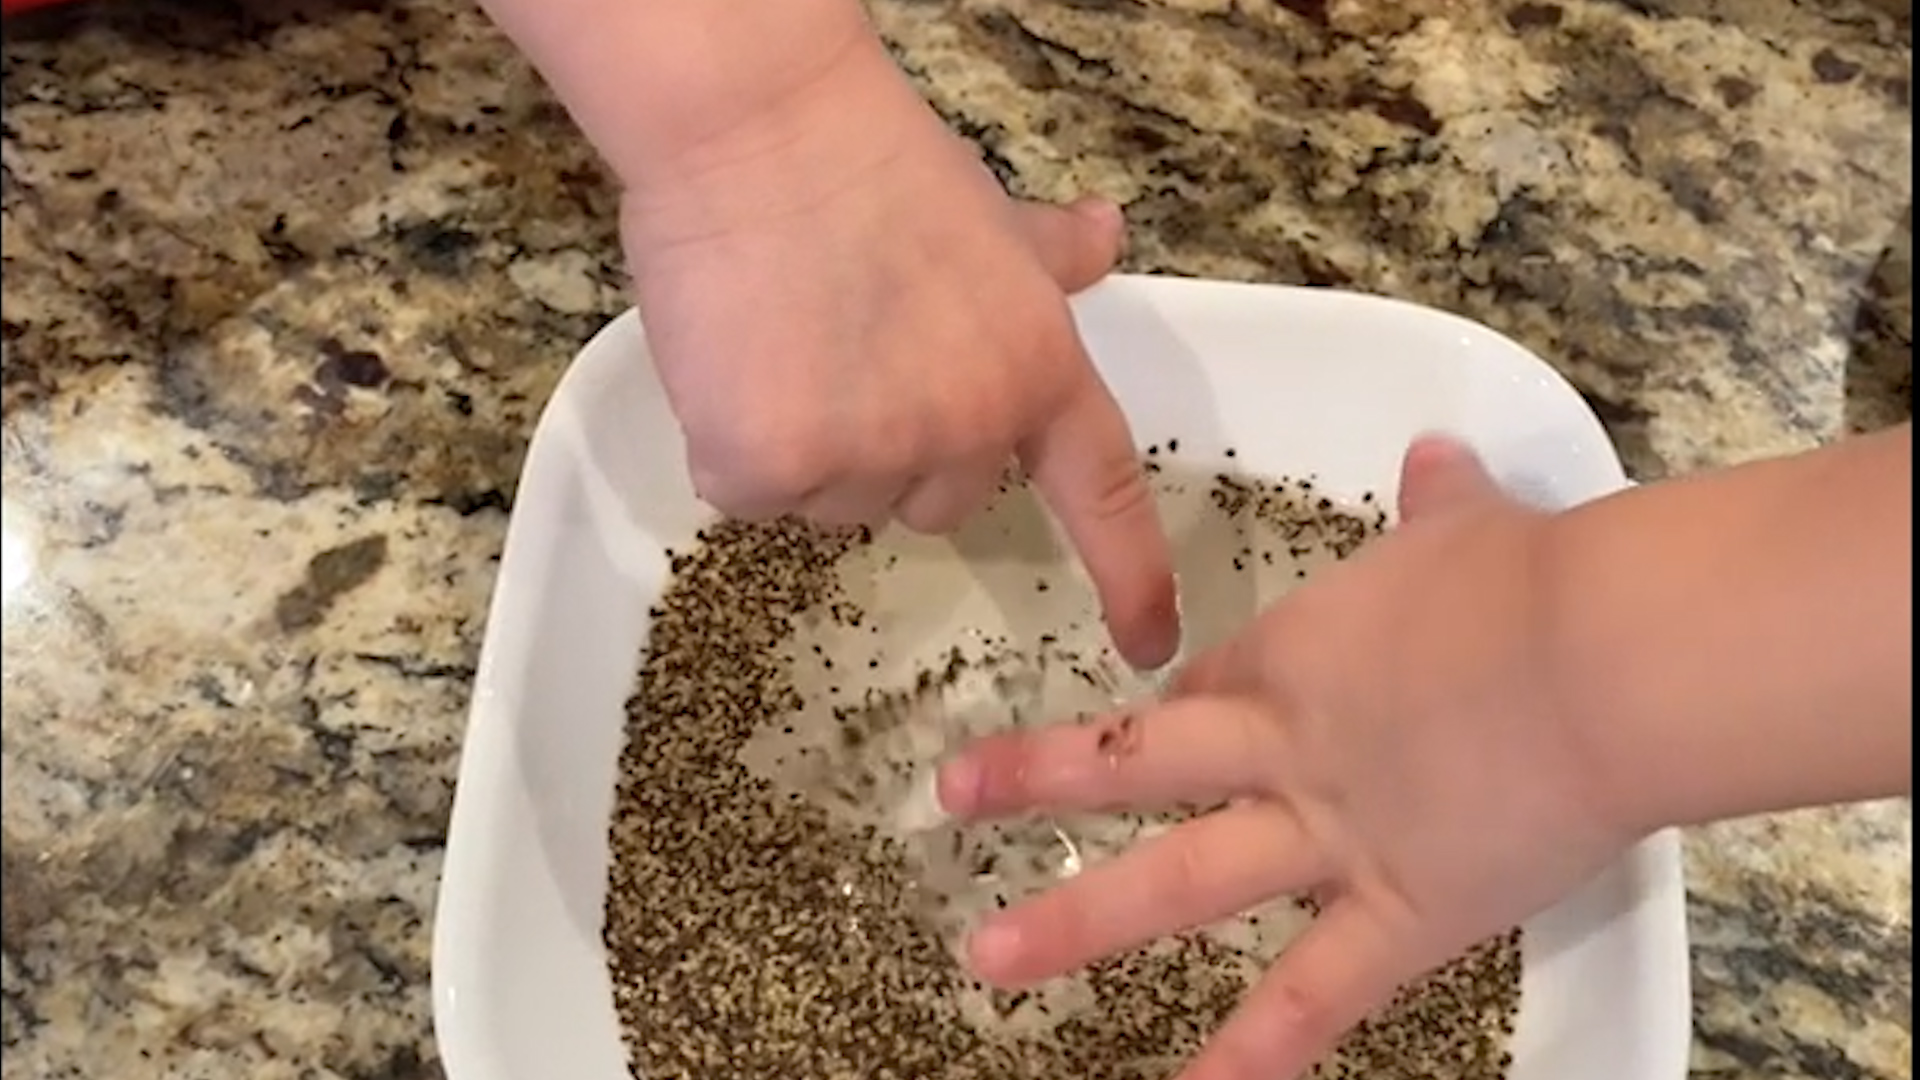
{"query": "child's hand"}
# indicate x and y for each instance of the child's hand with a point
(1390, 744)
(854, 323)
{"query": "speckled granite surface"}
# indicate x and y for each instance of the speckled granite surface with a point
(286, 283)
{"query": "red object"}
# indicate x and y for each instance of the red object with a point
(15, 7)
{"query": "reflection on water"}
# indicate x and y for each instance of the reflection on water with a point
(996, 630)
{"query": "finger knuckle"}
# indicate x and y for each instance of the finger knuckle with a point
(1301, 1012)
(1042, 320)
(718, 488)
(968, 418)
(754, 465)
(1115, 490)
(723, 483)
(988, 428)
(1252, 733)
(1183, 873)
(1036, 330)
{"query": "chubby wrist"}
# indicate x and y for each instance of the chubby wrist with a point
(1573, 679)
(1739, 641)
(666, 89)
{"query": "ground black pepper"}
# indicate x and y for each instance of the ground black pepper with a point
(751, 937)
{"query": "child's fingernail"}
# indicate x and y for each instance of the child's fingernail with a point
(957, 786)
(1161, 641)
(921, 810)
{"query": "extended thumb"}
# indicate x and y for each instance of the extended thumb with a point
(1078, 243)
(1441, 473)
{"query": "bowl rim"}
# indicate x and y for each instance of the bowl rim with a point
(487, 746)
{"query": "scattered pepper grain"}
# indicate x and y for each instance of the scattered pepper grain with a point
(752, 936)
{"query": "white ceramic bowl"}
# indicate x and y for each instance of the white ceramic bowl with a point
(1297, 380)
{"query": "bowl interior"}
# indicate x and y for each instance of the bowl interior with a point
(1297, 381)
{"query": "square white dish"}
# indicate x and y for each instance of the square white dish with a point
(1298, 381)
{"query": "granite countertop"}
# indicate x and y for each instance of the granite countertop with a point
(287, 281)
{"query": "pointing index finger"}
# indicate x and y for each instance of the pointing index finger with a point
(1196, 751)
(1086, 469)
